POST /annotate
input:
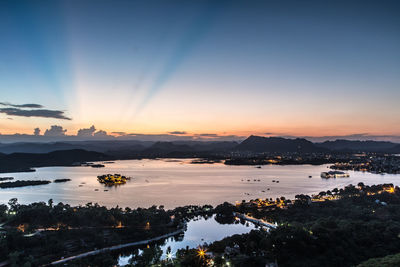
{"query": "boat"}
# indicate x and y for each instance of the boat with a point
(334, 174)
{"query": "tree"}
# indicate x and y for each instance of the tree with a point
(13, 203)
(50, 202)
(3, 210)
(361, 185)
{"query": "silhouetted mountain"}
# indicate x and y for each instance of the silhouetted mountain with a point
(277, 144)
(35, 147)
(208, 145)
(358, 146)
(98, 146)
(185, 146)
(25, 161)
(160, 147)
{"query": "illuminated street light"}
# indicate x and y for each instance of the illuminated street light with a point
(170, 256)
(201, 253)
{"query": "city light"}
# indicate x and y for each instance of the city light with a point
(170, 256)
(201, 253)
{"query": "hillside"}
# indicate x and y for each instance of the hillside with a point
(98, 146)
(358, 146)
(17, 162)
(277, 144)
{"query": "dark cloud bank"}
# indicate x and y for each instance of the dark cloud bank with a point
(31, 110)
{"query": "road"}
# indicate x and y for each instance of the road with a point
(254, 220)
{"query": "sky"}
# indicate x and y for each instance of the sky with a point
(198, 68)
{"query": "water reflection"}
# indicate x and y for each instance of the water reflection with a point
(199, 231)
(175, 183)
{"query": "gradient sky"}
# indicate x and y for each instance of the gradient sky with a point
(227, 67)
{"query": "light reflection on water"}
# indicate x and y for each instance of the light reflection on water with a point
(175, 183)
(200, 231)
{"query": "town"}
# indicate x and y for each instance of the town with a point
(99, 230)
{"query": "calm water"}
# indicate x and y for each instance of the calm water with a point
(177, 182)
(200, 231)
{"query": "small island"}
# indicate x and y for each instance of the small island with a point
(97, 165)
(6, 179)
(112, 179)
(205, 161)
(22, 183)
(61, 180)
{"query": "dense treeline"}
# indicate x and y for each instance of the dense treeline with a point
(40, 233)
(361, 222)
(388, 261)
(343, 232)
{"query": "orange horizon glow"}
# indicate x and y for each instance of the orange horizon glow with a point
(299, 132)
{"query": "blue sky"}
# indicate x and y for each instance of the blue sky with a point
(233, 67)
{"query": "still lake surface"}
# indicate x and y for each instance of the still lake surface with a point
(199, 231)
(176, 182)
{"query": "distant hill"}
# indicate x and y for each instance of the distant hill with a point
(35, 147)
(277, 144)
(187, 148)
(163, 147)
(17, 162)
(359, 146)
(209, 145)
(98, 146)
(120, 149)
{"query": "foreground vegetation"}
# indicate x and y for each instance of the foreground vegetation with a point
(344, 227)
(39, 233)
(362, 223)
(388, 261)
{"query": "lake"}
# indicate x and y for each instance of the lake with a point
(199, 231)
(175, 182)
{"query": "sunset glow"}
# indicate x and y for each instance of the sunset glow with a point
(217, 68)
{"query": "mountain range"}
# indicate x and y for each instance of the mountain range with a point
(254, 144)
(17, 162)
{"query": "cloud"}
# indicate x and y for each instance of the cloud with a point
(217, 137)
(43, 113)
(21, 106)
(207, 135)
(86, 132)
(55, 130)
(119, 133)
(100, 133)
(177, 132)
